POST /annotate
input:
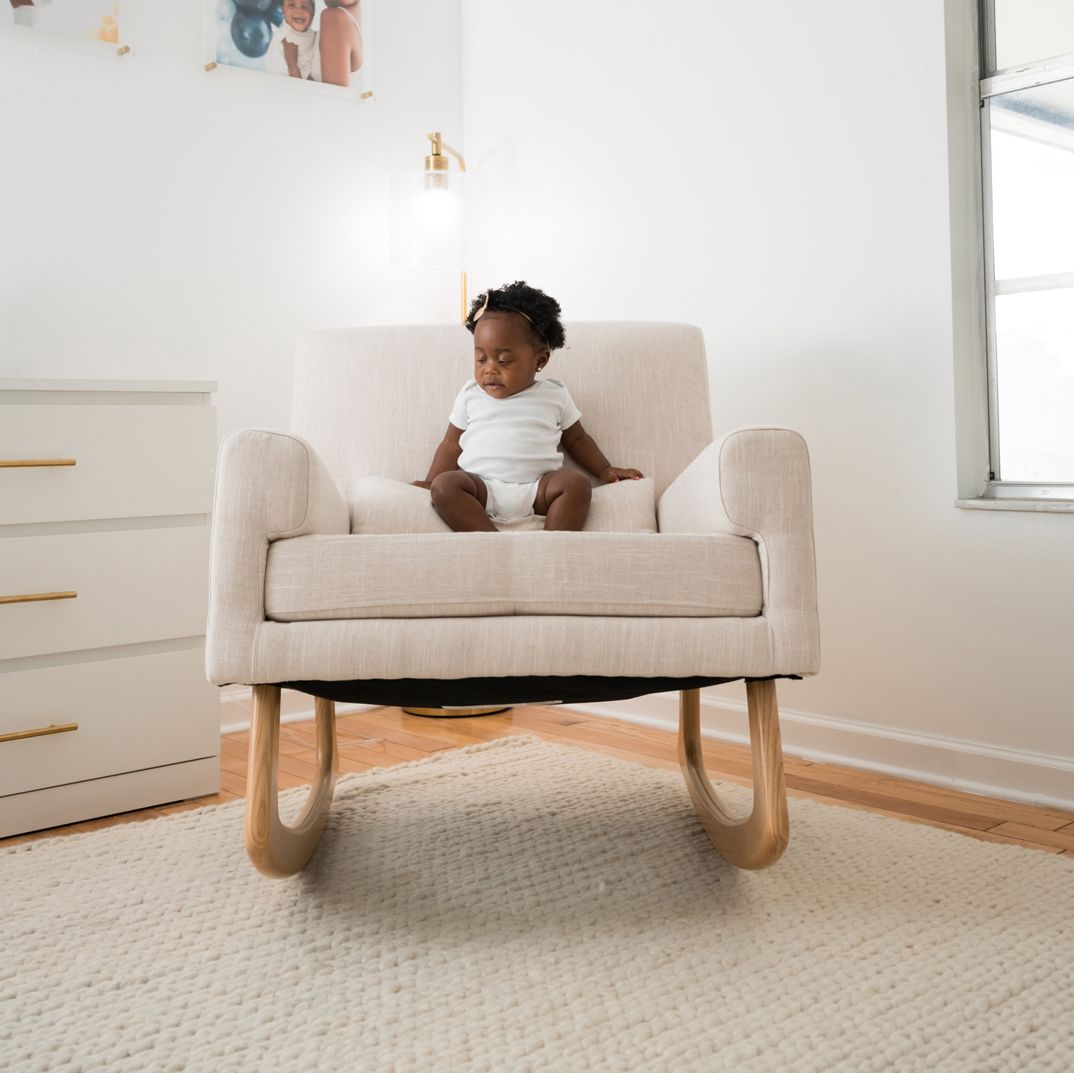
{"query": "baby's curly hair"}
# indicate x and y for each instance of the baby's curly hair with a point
(540, 309)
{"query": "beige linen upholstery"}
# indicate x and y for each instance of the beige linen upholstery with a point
(755, 482)
(269, 486)
(731, 593)
(357, 398)
(508, 645)
(439, 576)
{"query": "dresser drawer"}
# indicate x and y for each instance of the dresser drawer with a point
(139, 712)
(131, 461)
(132, 585)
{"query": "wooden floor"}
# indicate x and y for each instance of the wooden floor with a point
(388, 736)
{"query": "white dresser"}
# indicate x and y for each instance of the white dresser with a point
(105, 497)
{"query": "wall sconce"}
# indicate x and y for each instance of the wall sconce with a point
(428, 231)
(428, 214)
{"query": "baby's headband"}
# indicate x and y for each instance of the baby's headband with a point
(506, 309)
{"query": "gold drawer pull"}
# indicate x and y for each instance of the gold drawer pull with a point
(6, 463)
(55, 728)
(32, 596)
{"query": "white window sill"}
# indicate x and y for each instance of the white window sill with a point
(1051, 506)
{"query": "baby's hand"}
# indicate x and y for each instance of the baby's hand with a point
(422, 484)
(614, 473)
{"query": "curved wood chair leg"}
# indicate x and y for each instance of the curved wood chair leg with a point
(275, 849)
(757, 840)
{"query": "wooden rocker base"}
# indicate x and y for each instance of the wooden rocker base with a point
(275, 849)
(758, 840)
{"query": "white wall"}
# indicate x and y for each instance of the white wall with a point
(157, 221)
(777, 173)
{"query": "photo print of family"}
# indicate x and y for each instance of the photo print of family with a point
(321, 41)
(94, 20)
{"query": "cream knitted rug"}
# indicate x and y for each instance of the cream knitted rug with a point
(520, 906)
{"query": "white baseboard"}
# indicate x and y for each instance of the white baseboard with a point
(959, 765)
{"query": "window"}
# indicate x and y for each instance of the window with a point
(1027, 148)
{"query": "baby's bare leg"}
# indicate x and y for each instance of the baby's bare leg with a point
(459, 498)
(563, 498)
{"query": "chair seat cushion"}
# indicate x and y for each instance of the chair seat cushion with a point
(381, 505)
(417, 575)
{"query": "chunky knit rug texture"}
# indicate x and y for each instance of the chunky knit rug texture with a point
(521, 906)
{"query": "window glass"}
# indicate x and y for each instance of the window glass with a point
(1035, 389)
(1032, 143)
(1028, 30)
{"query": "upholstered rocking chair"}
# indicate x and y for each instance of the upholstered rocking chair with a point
(333, 575)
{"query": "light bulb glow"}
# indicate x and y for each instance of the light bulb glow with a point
(438, 209)
(428, 218)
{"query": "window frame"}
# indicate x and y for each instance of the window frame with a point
(970, 32)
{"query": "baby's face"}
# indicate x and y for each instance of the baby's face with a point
(298, 14)
(505, 359)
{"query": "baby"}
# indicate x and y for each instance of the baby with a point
(500, 458)
(296, 40)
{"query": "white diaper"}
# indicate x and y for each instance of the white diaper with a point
(510, 502)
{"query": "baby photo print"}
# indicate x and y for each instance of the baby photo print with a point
(307, 41)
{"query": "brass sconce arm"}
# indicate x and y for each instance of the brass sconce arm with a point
(436, 161)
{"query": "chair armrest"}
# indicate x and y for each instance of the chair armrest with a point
(755, 482)
(269, 486)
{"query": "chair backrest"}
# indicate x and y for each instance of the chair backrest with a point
(375, 401)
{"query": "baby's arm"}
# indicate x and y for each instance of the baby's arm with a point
(584, 450)
(446, 457)
(290, 56)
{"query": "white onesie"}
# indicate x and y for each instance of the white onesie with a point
(308, 53)
(513, 440)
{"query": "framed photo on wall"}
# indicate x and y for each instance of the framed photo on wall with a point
(92, 20)
(322, 44)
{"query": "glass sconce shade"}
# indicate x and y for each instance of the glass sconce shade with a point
(428, 217)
